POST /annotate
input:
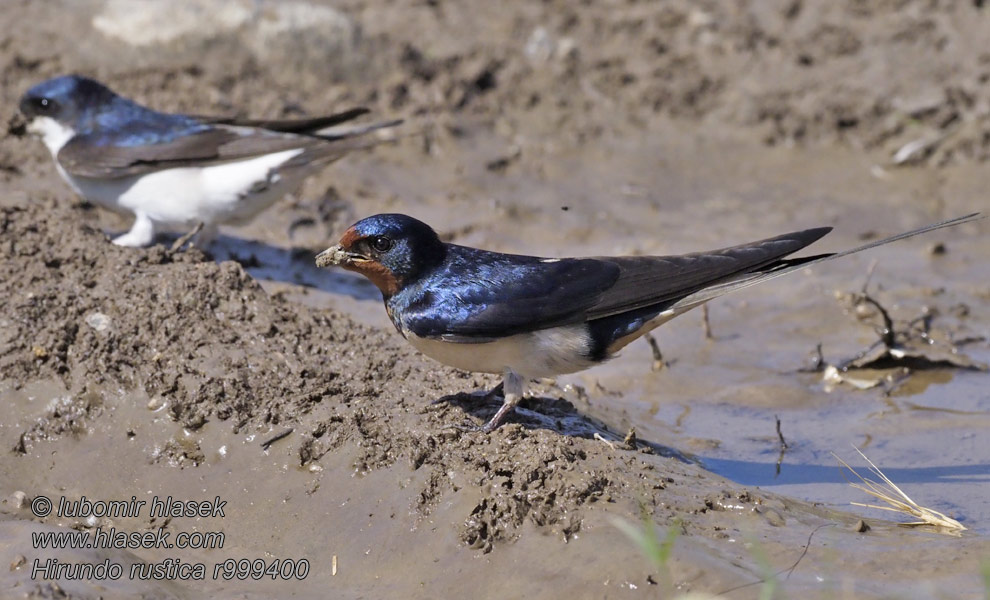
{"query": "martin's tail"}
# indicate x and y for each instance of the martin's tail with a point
(347, 131)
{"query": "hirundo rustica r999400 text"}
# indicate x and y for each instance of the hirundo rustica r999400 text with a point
(528, 317)
(176, 169)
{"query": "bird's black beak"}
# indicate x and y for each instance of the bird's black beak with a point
(337, 256)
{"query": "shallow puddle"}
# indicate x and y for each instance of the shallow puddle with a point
(717, 400)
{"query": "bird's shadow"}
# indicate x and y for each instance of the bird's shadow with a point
(294, 265)
(552, 414)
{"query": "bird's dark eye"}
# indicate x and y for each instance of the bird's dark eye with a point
(44, 105)
(380, 243)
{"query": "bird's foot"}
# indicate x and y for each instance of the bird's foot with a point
(492, 424)
(509, 402)
(142, 233)
(134, 239)
(472, 427)
(507, 407)
(130, 241)
(466, 427)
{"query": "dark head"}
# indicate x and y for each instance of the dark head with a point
(391, 250)
(72, 100)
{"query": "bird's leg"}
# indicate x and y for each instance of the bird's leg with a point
(142, 232)
(513, 387)
(206, 236)
(181, 241)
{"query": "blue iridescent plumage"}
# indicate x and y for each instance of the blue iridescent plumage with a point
(107, 119)
(461, 294)
(476, 293)
(178, 170)
(529, 317)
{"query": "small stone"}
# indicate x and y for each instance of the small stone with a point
(18, 499)
(160, 22)
(860, 526)
(937, 249)
(699, 19)
(774, 518)
(865, 311)
(566, 49)
(630, 439)
(539, 47)
(98, 321)
(18, 562)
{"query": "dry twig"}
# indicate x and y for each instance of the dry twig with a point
(888, 492)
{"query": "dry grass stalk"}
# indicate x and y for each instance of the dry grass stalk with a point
(897, 499)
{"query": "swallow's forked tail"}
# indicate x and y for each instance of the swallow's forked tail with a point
(789, 265)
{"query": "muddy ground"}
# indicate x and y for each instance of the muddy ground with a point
(555, 129)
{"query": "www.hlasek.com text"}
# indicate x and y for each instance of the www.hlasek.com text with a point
(121, 540)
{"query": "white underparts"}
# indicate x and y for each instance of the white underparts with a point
(544, 353)
(231, 192)
(52, 133)
(220, 193)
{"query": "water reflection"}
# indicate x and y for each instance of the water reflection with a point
(763, 473)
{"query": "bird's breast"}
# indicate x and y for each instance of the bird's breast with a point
(543, 353)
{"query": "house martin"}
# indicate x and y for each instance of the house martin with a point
(527, 317)
(178, 170)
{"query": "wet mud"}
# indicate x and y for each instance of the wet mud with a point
(242, 371)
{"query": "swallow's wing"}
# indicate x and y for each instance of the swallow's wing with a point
(490, 295)
(136, 151)
(683, 282)
(665, 280)
(481, 295)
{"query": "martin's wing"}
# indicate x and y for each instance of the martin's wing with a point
(301, 126)
(485, 295)
(130, 151)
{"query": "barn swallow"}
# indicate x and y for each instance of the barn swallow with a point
(175, 169)
(527, 317)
